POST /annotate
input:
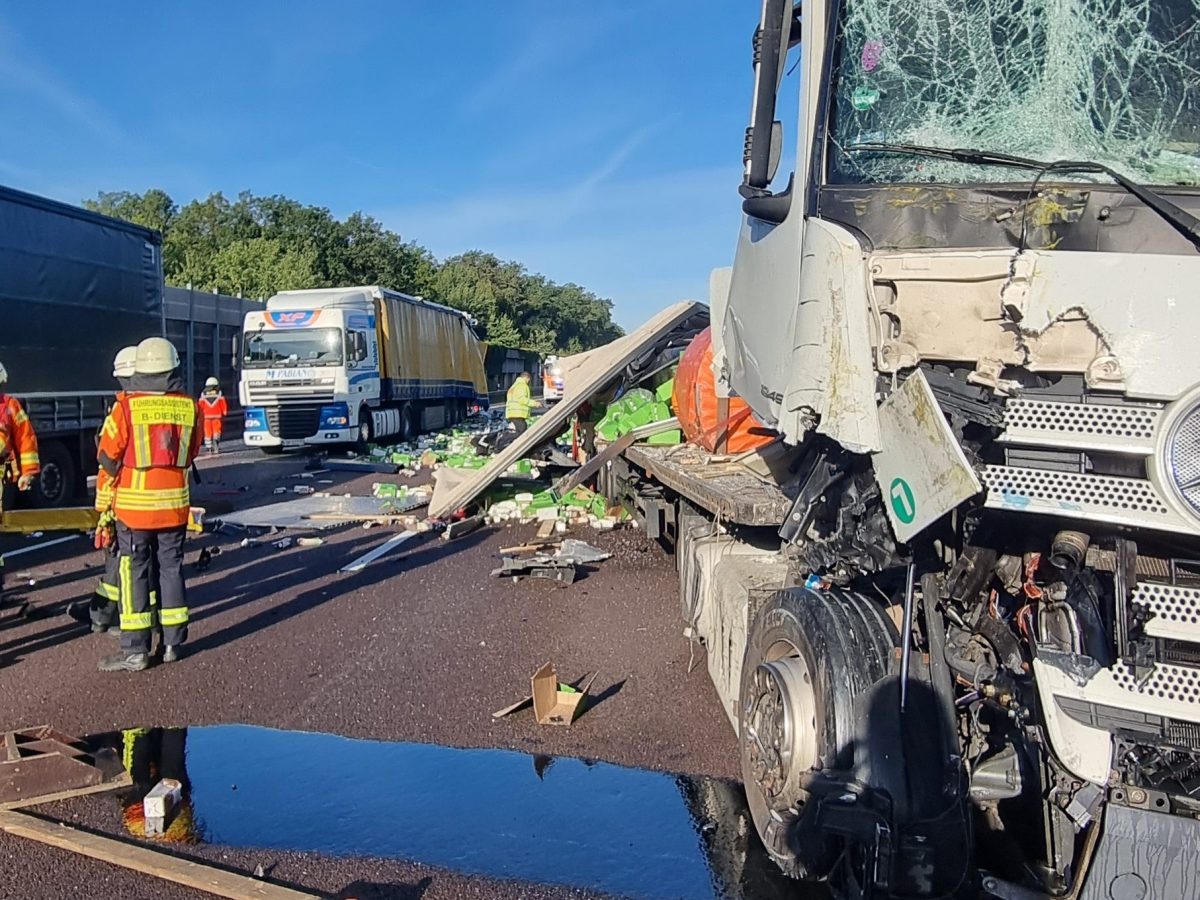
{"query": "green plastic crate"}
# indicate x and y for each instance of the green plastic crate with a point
(674, 436)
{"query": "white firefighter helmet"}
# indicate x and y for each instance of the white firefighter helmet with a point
(211, 383)
(125, 362)
(156, 356)
(3, 374)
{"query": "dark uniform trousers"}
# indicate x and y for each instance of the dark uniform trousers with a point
(143, 555)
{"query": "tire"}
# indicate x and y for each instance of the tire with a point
(409, 422)
(366, 430)
(272, 451)
(56, 484)
(809, 655)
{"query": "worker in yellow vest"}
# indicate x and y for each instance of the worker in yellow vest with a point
(519, 403)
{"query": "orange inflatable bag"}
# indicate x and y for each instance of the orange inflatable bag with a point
(695, 403)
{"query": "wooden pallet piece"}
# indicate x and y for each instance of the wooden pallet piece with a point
(200, 876)
(40, 760)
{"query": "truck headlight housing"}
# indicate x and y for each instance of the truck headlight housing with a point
(335, 415)
(255, 419)
(1179, 454)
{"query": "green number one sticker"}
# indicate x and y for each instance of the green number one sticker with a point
(903, 504)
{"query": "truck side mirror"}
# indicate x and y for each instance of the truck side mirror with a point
(771, 42)
(233, 350)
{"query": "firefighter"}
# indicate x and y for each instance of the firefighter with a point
(148, 445)
(18, 448)
(519, 403)
(213, 407)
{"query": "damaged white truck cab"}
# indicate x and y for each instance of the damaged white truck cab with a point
(964, 656)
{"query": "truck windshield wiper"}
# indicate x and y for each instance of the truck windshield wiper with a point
(1176, 216)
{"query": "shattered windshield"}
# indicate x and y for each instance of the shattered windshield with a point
(1109, 81)
(309, 347)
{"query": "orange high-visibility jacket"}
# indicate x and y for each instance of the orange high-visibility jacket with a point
(105, 482)
(18, 443)
(214, 407)
(148, 444)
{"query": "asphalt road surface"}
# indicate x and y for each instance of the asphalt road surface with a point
(421, 646)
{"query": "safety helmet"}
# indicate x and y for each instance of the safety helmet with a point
(3, 374)
(156, 356)
(212, 383)
(125, 362)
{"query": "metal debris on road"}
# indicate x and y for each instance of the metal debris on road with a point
(315, 512)
(541, 566)
(386, 547)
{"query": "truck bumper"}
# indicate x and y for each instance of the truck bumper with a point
(261, 439)
(1144, 854)
(332, 436)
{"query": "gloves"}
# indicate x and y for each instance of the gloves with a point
(106, 531)
(25, 482)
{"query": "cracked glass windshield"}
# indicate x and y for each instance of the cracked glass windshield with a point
(310, 347)
(1110, 81)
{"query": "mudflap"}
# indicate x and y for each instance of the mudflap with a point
(899, 822)
(1144, 855)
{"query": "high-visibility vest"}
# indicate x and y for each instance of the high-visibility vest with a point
(518, 402)
(18, 443)
(105, 485)
(155, 439)
(214, 406)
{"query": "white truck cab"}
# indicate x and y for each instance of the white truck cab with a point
(310, 361)
(350, 365)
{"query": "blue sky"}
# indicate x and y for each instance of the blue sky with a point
(596, 142)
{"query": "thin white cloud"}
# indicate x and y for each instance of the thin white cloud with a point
(644, 242)
(20, 74)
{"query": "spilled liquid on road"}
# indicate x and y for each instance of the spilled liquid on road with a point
(494, 813)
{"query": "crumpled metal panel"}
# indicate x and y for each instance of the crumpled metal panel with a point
(1144, 855)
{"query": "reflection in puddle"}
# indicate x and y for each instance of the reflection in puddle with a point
(487, 812)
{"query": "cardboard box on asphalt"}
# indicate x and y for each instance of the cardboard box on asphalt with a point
(552, 706)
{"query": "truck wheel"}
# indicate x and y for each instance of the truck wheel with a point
(809, 655)
(409, 419)
(55, 484)
(366, 430)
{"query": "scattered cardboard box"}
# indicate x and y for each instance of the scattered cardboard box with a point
(555, 703)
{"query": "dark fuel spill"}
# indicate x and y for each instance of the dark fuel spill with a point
(494, 813)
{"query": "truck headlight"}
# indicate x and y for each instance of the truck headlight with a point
(255, 419)
(1179, 453)
(335, 415)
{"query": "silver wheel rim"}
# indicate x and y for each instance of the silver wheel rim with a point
(780, 722)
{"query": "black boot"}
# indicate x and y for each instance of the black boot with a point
(125, 662)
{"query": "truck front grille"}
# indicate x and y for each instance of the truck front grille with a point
(293, 422)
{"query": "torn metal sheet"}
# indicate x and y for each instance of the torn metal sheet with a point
(922, 471)
(585, 374)
(1144, 307)
(580, 552)
(332, 511)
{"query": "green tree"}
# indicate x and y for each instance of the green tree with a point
(260, 267)
(501, 330)
(153, 209)
(260, 245)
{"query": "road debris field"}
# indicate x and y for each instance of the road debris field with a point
(356, 717)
